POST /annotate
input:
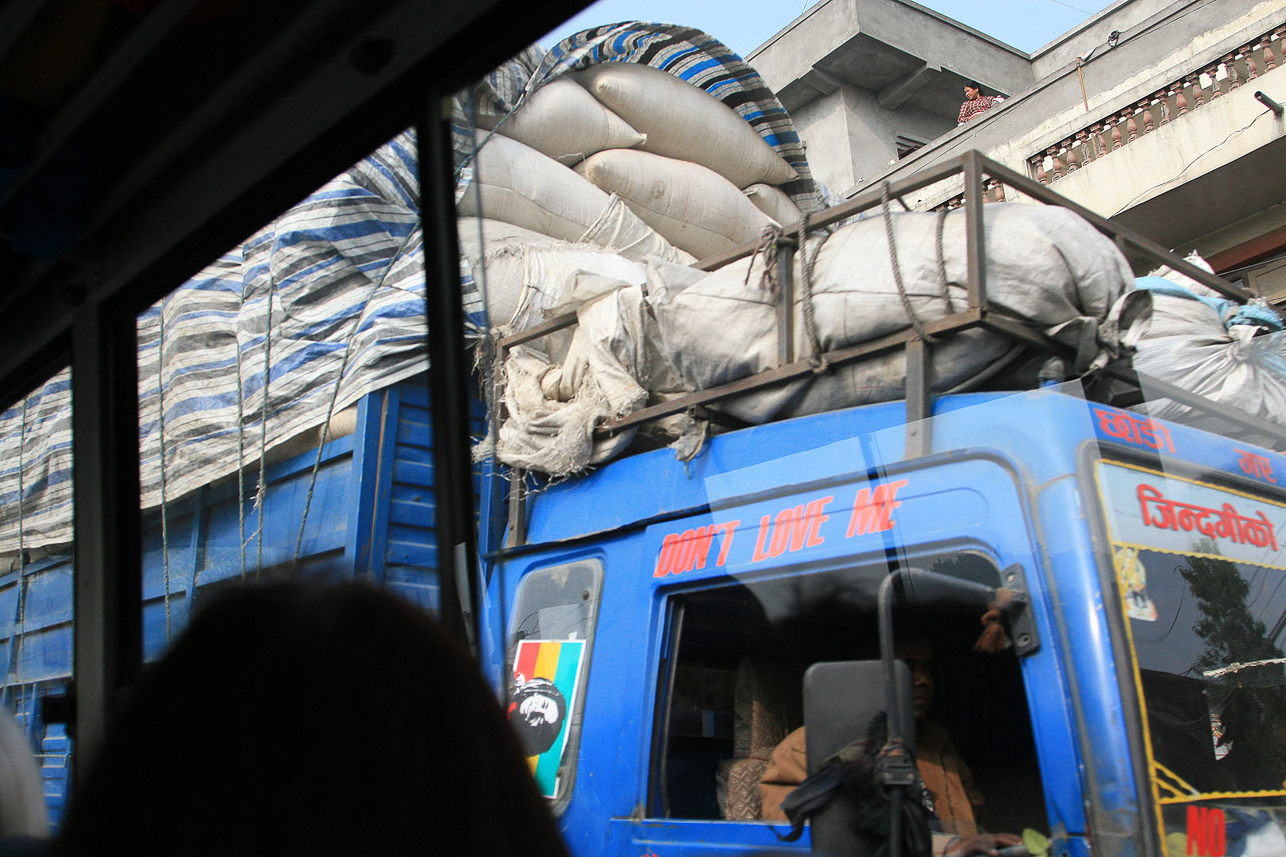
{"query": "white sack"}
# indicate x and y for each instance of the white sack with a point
(775, 203)
(528, 277)
(556, 279)
(683, 121)
(1044, 265)
(563, 121)
(692, 207)
(622, 231)
(501, 279)
(516, 184)
(552, 413)
(613, 367)
(1185, 342)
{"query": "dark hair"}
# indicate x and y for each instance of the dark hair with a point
(973, 84)
(310, 719)
(537, 737)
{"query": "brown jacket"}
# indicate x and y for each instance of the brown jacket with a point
(944, 773)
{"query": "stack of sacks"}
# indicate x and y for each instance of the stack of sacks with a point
(693, 330)
(622, 157)
(686, 177)
(1045, 267)
(1189, 335)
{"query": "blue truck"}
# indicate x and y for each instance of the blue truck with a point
(680, 610)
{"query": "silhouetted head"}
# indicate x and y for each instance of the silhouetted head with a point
(296, 718)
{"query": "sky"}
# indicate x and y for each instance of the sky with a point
(744, 25)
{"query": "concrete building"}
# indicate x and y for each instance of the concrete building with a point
(1158, 114)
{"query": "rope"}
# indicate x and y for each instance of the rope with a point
(942, 262)
(241, 447)
(920, 332)
(16, 645)
(768, 246)
(160, 426)
(261, 491)
(343, 366)
(817, 358)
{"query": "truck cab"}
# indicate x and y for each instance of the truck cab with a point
(688, 604)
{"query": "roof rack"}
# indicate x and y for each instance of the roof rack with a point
(981, 177)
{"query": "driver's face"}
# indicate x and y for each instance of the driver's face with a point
(538, 708)
(919, 657)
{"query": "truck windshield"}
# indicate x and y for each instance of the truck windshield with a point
(735, 702)
(1201, 576)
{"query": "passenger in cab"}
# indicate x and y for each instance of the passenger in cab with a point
(945, 783)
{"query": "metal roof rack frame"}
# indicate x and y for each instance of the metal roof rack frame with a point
(980, 176)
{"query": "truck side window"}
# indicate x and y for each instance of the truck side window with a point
(550, 635)
(736, 690)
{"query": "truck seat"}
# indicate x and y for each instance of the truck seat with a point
(767, 706)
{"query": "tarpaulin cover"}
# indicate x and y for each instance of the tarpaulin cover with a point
(691, 330)
(337, 281)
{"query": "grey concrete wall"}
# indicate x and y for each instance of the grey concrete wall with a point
(826, 34)
(1155, 54)
(1122, 16)
(850, 138)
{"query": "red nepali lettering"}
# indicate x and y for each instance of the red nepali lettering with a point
(682, 552)
(1140, 431)
(1207, 836)
(873, 509)
(1224, 523)
(1254, 464)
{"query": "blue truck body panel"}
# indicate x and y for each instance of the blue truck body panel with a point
(1010, 479)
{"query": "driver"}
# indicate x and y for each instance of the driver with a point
(950, 796)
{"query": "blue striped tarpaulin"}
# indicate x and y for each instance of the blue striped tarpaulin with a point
(318, 308)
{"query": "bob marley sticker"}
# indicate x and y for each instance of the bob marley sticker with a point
(545, 682)
(1133, 578)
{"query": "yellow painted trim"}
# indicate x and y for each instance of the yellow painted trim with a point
(1129, 635)
(1222, 796)
(1182, 783)
(1153, 764)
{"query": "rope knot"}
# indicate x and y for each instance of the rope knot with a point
(771, 241)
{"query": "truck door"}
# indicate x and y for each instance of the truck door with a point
(791, 581)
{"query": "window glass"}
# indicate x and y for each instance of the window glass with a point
(550, 637)
(737, 694)
(283, 409)
(36, 577)
(1201, 579)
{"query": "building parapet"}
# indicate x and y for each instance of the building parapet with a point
(1194, 89)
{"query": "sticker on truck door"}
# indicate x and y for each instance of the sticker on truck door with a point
(546, 674)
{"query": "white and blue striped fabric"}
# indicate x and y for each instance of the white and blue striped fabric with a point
(321, 306)
(338, 280)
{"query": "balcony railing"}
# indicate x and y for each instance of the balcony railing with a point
(1185, 95)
